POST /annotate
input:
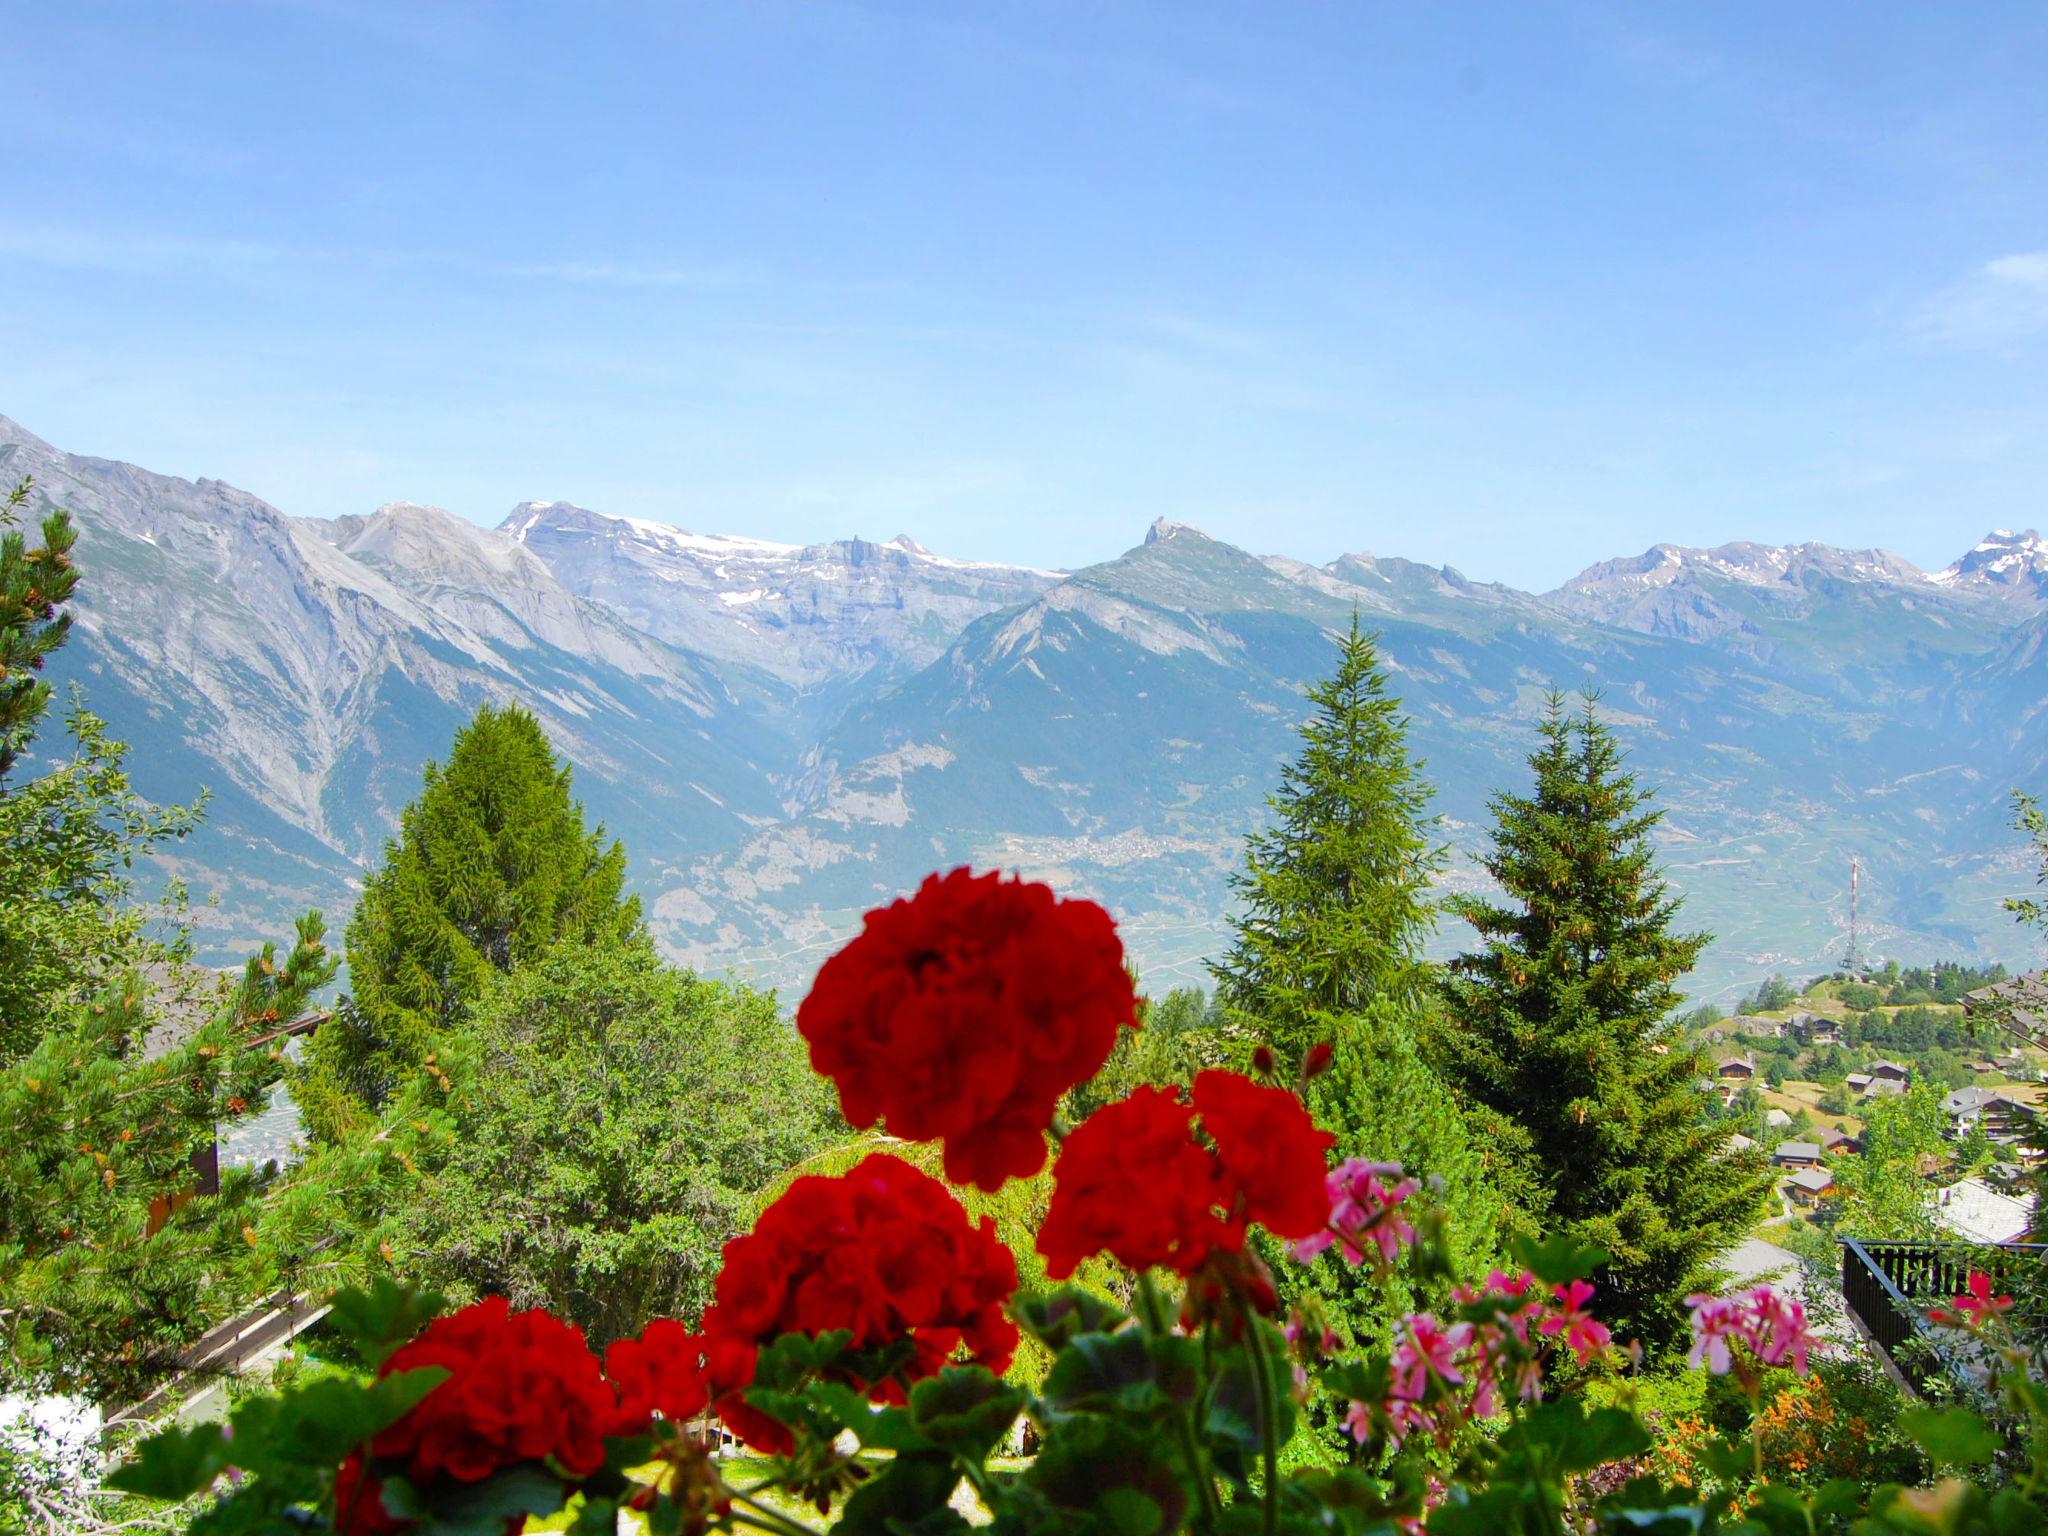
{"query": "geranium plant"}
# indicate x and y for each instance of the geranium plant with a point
(860, 1332)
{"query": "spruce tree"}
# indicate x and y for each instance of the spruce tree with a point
(1562, 1025)
(1335, 892)
(492, 866)
(1328, 947)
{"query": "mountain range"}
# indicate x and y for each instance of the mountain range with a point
(785, 735)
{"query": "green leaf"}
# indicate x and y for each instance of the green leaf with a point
(965, 1409)
(1558, 1259)
(1063, 1315)
(1135, 1371)
(910, 1492)
(318, 1424)
(1952, 1436)
(1233, 1408)
(486, 1508)
(174, 1463)
(376, 1323)
(794, 1356)
(1129, 1512)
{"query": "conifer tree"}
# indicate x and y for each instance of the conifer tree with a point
(1562, 1025)
(492, 866)
(35, 582)
(1329, 948)
(112, 1255)
(1335, 893)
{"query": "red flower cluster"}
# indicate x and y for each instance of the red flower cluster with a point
(884, 1252)
(961, 1014)
(522, 1388)
(1133, 1180)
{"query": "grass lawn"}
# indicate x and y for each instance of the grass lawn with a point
(1795, 1095)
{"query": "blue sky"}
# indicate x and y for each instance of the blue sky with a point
(1512, 287)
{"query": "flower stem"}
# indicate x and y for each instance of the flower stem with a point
(1269, 1419)
(1198, 1464)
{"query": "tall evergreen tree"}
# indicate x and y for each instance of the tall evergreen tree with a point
(493, 865)
(1335, 892)
(1336, 908)
(1563, 1026)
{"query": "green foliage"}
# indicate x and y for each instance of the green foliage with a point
(68, 918)
(1385, 1103)
(1883, 1188)
(618, 1120)
(1335, 893)
(1773, 995)
(35, 583)
(1178, 1035)
(2028, 817)
(68, 838)
(1556, 1017)
(492, 867)
(110, 1262)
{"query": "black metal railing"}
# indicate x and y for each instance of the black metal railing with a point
(1890, 1286)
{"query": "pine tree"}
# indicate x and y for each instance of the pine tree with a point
(1335, 893)
(1562, 1025)
(112, 1259)
(491, 867)
(34, 584)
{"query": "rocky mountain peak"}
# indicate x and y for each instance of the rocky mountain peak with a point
(1164, 528)
(2005, 563)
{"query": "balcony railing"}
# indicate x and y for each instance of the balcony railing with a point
(1890, 1286)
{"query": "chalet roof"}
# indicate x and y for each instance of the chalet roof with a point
(1815, 1181)
(1898, 1067)
(2019, 1003)
(1858, 1079)
(1963, 1100)
(1776, 1119)
(1740, 1143)
(1798, 1151)
(1834, 1136)
(1975, 1211)
(1743, 1060)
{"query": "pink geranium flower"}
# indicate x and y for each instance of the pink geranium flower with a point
(1365, 1213)
(1583, 1334)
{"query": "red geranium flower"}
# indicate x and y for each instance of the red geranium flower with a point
(884, 1252)
(1135, 1182)
(522, 1387)
(1274, 1159)
(359, 1504)
(1132, 1181)
(961, 1014)
(662, 1372)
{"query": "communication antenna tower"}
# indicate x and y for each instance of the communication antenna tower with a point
(1852, 957)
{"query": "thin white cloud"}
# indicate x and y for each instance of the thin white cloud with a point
(2002, 302)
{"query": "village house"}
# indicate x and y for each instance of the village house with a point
(1814, 1029)
(2002, 1117)
(1777, 1119)
(1797, 1154)
(1834, 1140)
(1810, 1186)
